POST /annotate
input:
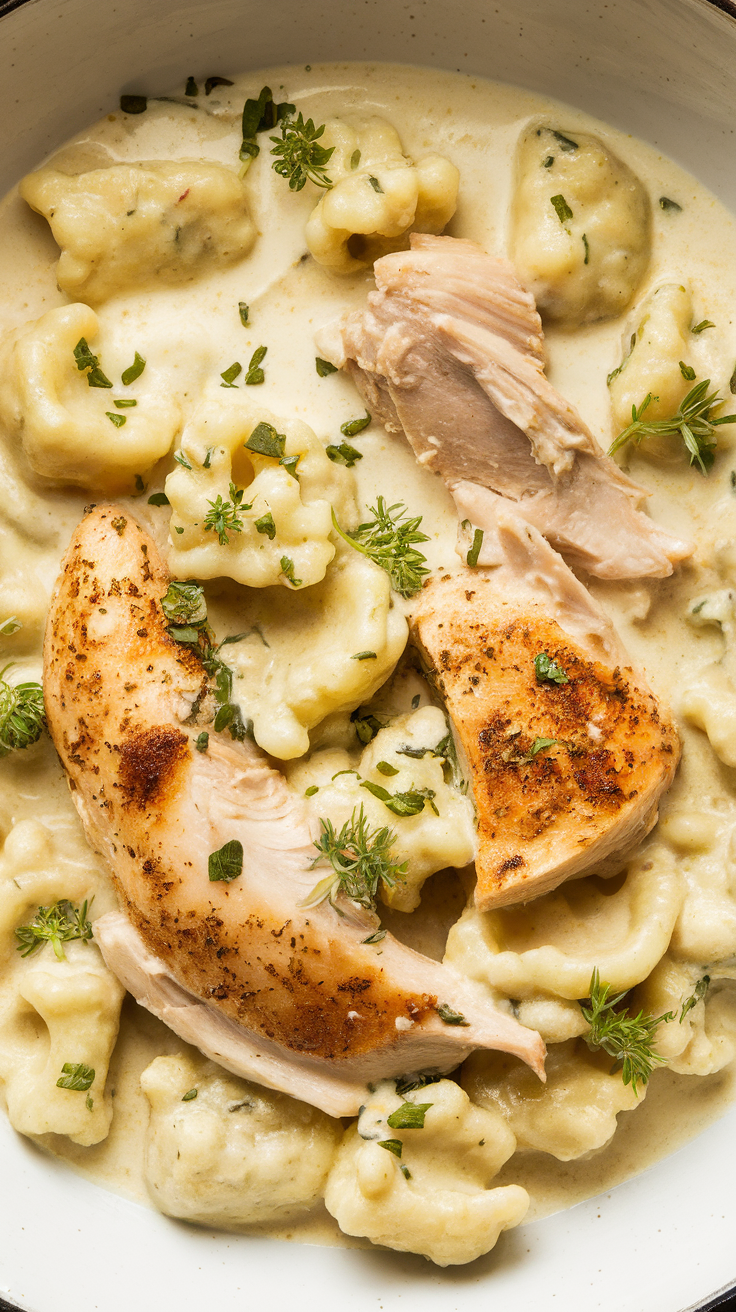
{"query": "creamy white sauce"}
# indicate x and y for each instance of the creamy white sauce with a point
(476, 124)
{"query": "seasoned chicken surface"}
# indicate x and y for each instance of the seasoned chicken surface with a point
(568, 759)
(449, 351)
(291, 997)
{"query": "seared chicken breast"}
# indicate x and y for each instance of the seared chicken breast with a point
(567, 748)
(225, 952)
(449, 351)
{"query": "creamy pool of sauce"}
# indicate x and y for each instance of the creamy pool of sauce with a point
(476, 124)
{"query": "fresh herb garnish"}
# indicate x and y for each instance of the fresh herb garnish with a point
(698, 993)
(184, 603)
(586, 246)
(76, 1075)
(61, 923)
(385, 768)
(701, 327)
(189, 1095)
(133, 371)
(287, 569)
(243, 311)
(311, 790)
(389, 540)
(615, 372)
(86, 359)
(361, 859)
(364, 656)
(226, 863)
(223, 517)
(265, 441)
(191, 88)
(669, 206)
(355, 159)
(213, 82)
(352, 427)
(539, 745)
(324, 367)
(21, 714)
(255, 374)
(548, 670)
(202, 741)
(375, 184)
(181, 459)
(548, 162)
(230, 374)
(266, 525)
(378, 937)
(474, 551)
(419, 1080)
(692, 422)
(411, 802)
(300, 156)
(627, 1038)
(344, 454)
(687, 371)
(258, 116)
(117, 420)
(366, 726)
(409, 1116)
(449, 1016)
(394, 1146)
(184, 606)
(10, 626)
(123, 404)
(562, 209)
(290, 463)
(566, 143)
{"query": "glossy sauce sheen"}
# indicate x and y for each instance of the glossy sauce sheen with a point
(476, 124)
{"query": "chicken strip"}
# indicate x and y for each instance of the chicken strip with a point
(211, 856)
(567, 748)
(449, 351)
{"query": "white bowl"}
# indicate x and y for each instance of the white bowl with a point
(664, 70)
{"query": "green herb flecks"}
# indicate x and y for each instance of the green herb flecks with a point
(223, 517)
(547, 670)
(687, 371)
(230, 374)
(133, 371)
(10, 626)
(586, 247)
(287, 569)
(366, 725)
(629, 1039)
(474, 550)
(615, 372)
(698, 993)
(213, 82)
(693, 424)
(255, 374)
(202, 741)
(669, 206)
(123, 404)
(300, 156)
(61, 923)
(86, 359)
(117, 420)
(243, 311)
(449, 1016)
(409, 1116)
(324, 368)
(259, 116)
(561, 208)
(389, 539)
(265, 441)
(378, 937)
(184, 603)
(76, 1075)
(701, 327)
(184, 606)
(266, 525)
(182, 460)
(352, 427)
(226, 863)
(361, 859)
(190, 1095)
(412, 802)
(566, 143)
(394, 1146)
(417, 1080)
(364, 656)
(344, 454)
(22, 716)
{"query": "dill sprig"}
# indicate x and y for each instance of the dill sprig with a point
(21, 714)
(627, 1038)
(389, 540)
(301, 159)
(60, 923)
(693, 423)
(361, 859)
(223, 517)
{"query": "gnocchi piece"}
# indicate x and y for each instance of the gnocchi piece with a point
(53, 1013)
(299, 660)
(572, 1114)
(705, 930)
(224, 1152)
(703, 1040)
(430, 1193)
(552, 945)
(64, 424)
(651, 365)
(581, 226)
(379, 196)
(278, 485)
(556, 1019)
(134, 225)
(394, 761)
(709, 703)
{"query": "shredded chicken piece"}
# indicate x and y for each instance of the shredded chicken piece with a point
(449, 351)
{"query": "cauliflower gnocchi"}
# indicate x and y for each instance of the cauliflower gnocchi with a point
(655, 355)
(71, 429)
(378, 195)
(232, 449)
(224, 1152)
(428, 1192)
(581, 226)
(130, 225)
(410, 757)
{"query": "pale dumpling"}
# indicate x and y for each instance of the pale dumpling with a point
(656, 361)
(580, 226)
(378, 195)
(146, 223)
